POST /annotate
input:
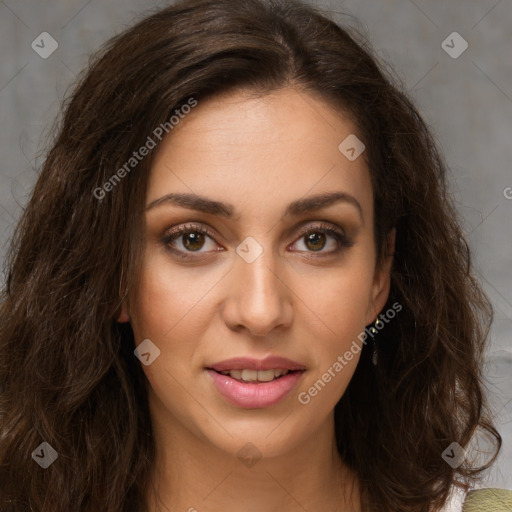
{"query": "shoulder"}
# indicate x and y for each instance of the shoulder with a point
(489, 499)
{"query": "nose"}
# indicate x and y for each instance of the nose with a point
(257, 298)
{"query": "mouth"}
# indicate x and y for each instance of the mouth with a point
(248, 375)
(254, 384)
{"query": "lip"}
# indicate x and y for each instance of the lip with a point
(254, 395)
(269, 363)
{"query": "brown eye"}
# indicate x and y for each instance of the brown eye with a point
(193, 241)
(315, 241)
(188, 239)
(324, 239)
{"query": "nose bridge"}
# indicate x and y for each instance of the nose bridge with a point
(258, 278)
(260, 301)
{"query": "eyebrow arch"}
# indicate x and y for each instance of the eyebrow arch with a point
(295, 208)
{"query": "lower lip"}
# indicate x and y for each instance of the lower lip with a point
(255, 395)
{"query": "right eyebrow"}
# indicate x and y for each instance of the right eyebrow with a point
(194, 202)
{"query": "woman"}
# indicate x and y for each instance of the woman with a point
(240, 284)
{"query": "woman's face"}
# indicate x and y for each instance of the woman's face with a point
(275, 274)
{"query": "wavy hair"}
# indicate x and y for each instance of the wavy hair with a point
(68, 375)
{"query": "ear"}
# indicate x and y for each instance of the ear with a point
(382, 280)
(124, 315)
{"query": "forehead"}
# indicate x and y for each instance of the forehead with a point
(254, 151)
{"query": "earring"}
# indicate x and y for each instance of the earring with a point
(380, 324)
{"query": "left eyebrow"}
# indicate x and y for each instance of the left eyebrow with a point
(320, 201)
(295, 208)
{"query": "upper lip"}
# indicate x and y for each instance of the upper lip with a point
(269, 363)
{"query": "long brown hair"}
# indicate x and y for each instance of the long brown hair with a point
(68, 375)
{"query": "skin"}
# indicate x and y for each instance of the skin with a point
(258, 154)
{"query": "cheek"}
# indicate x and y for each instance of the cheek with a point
(336, 309)
(172, 309)
(339, 299)
(166, 297)
(336, 354)
(346, 299)
(165, 310)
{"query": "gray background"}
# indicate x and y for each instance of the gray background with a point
(466, 100)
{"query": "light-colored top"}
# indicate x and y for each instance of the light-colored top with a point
(455, 501)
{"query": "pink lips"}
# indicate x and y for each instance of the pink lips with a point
(255, 395)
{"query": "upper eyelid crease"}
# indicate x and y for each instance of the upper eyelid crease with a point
(305, 227)
(295, 208)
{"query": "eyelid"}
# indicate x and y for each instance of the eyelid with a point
(189, 226)
(309, 226)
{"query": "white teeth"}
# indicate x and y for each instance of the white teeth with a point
(255, 375)
(236, 374)
(249, 375)
(263, 375)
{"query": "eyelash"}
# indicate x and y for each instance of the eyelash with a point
(341, 239)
